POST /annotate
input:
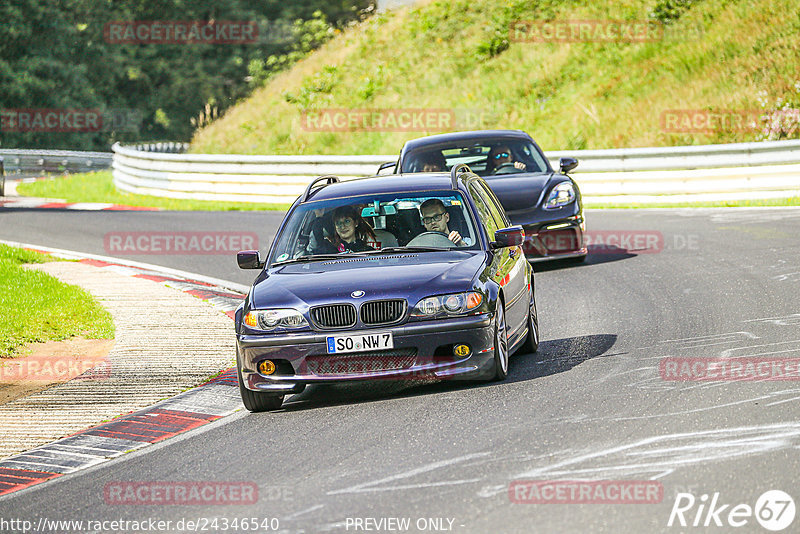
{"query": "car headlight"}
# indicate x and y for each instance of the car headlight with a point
(447, 305)
(269, 320)
(561, 195)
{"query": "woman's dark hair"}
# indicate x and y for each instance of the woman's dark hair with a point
(363, 229)
(435, 158)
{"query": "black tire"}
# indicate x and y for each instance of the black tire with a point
(256, 401)
(500, 344)
(532, 339)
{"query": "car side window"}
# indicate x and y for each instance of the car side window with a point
(495, 207)
(483, 210)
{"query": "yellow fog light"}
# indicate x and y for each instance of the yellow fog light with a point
(266, 367)
(461, 350)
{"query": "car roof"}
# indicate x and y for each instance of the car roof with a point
(462, 136)
(385, 183)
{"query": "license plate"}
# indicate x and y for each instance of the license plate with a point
(360, 342)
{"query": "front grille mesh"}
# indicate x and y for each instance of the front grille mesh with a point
(361, 362)
(334, 315)
(382, 311)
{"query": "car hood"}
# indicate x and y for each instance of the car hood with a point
(411, 276)
(519, 191)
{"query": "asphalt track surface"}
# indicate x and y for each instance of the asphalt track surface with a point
(591, 404)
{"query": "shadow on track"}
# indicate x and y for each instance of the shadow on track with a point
(558, 356)
(553, 357)
(597, 254)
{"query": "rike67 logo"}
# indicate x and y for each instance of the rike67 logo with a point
(774, 510)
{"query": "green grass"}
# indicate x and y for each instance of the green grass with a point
(792, 201)
(36, 307)
(455, 54)
(99, 187)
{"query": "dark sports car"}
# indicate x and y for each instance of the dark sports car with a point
(380, 278)
(547, 204)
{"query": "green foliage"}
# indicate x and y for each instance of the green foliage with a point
(791, 201)
(313, 87)
(451, 55)
(54, 55)
(307, 35)
(99, 187)
(667, 11)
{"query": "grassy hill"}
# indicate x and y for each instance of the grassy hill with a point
(457, 55)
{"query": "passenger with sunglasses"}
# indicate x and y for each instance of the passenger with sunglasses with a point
(501, 156)
(435, 219)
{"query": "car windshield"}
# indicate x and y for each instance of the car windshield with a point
(430, 220)
(486, 157)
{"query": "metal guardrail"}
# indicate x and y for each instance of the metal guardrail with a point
(269, 179)
(684, 157)
(707, 172)
(21, 163)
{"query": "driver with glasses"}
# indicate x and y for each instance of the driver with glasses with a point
(435, 219)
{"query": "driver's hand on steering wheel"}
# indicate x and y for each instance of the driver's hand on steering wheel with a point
(519, 165)
(456, 238)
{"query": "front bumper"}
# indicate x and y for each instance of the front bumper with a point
(426, 347)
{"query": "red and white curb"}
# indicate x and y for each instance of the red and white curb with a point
(44, 203)
(188, 410)
(168, 418)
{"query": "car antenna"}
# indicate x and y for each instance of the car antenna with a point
(455, 171)
(330, 178)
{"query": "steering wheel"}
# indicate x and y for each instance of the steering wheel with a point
(430, 239)
(506, 168)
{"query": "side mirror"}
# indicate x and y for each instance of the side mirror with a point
(248, 259)
(567, 164)
(513, 236)
(387, 165)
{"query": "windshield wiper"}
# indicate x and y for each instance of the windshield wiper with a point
(315, 257)
(406, 249)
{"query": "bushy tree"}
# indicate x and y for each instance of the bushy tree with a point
(54, 55)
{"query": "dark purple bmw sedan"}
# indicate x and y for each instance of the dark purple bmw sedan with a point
(388, 277)
(545, 202)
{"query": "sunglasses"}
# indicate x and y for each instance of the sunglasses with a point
(501, 155)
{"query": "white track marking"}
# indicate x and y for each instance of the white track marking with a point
(368, 487)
